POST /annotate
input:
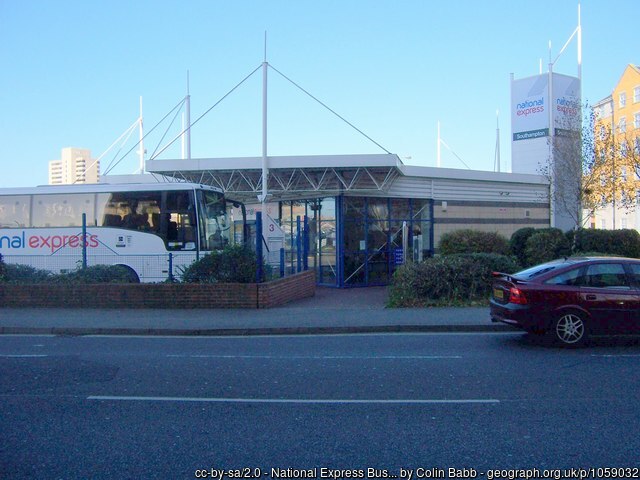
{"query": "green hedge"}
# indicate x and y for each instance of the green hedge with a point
(518, 243)
(472, 241)
(624, 242)
(2, 269)
(545, 245)
(532, 246)
(234, 264)
(24, 274)
(448, 280)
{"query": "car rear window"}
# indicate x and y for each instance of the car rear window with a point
(533, 272)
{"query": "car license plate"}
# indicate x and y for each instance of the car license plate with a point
(497, 293)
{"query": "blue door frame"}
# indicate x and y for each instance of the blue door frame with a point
(342, 253)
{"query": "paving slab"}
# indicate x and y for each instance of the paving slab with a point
(356, 310)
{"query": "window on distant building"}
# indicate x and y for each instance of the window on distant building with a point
(622, 100)
(622, 125)
(624, 150)
(637, 146)
(603, 224)
(636, 120)
(636, 94)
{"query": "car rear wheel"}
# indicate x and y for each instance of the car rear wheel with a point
(569, 329)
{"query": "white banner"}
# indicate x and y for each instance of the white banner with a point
(530, 105)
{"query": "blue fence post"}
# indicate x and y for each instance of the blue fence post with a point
(281, 262)
(305, 240)
(171, 278)
(298, 244)
(84, 241)
(259, 257)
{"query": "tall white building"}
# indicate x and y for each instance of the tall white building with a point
(75, 166)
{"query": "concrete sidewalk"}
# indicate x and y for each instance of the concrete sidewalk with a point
(358, 310)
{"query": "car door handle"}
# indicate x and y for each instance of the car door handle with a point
(591, 297)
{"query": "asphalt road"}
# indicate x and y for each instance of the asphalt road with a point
(127, 407)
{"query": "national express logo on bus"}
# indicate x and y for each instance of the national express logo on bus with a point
(50, 243)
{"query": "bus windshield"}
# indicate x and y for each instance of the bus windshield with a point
(215, 227)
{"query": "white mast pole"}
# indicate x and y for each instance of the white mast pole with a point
(188, 121)
(182, 143)
(552, 203)
(141, 132)
(265, 171)
(438, 158)
(497, 160)
(580, 53)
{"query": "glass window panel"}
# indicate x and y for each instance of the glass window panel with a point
(378, 209)
(299, 211)
(327, 236)
(354, 269)
(377, 235)
(328, 208)
(400, 208)
(63, 210)
(419, 240)
(215, 230)
(570, 277)
(285, 211)
(180, 215)
(607, 275)
(421, 209)
(635, 273)
(14, 211)
(378, 268)
(131, 210)
(354, 208)
(354, 236)
(395, 231)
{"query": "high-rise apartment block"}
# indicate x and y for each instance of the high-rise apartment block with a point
(75, 166)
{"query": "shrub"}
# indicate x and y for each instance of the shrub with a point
(234, 264)
(16, 273)
(545, 245)
(518, 243)
(447, 280)
(97, 274)
(473, 241)
(625, 243)
(2, 269)
(24, 274)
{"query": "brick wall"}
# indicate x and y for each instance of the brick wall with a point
(283, 290)
(144, 295)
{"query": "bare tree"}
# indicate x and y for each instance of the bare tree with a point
(571, 167)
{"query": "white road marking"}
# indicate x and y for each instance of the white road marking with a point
(22, 356)
(298, 335)
(407, 401)
(323, 357)
(615, 355)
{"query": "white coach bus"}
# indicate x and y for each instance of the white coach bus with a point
(151, 228)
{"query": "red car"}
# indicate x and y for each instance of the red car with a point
(571, 299)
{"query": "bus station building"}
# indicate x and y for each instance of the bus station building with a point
(356, 207)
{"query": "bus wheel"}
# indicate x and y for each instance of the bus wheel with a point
(130, 274)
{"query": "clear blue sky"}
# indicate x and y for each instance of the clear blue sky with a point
(73, 71)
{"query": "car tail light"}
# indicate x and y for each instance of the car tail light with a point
(517, 296)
